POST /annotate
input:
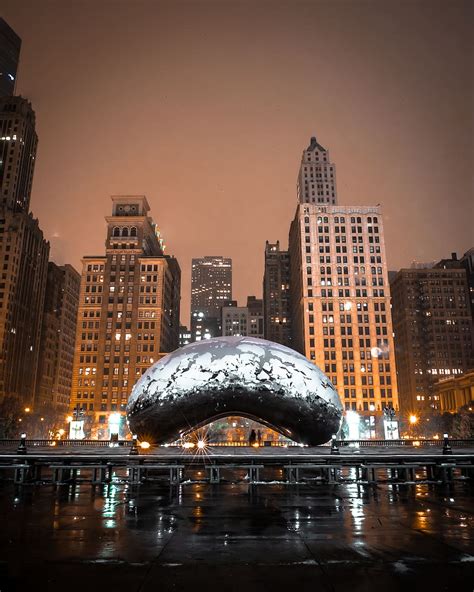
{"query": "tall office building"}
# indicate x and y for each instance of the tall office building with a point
(10, 46)
(211, 289)
(433, 332)
(317, 176)
(57, 340)
(23, 253)
(24, 256)
(340, 303)
(276, 295)
(128, 313)
(18, 143)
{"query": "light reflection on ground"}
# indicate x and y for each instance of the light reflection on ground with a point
(158, 537)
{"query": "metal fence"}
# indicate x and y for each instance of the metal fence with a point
(433, 442)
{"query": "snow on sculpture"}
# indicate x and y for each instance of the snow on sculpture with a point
(244, 376)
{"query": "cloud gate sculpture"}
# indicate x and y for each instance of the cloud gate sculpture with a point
(239, 376)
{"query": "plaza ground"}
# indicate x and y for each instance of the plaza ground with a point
(236, 536)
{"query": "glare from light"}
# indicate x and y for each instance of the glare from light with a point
(145, 445)
(188, 445)
(375, 352)
(413, 419)
(353, 421)
(27, 409)
(201, 444)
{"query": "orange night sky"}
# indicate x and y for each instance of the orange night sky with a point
(205, 107)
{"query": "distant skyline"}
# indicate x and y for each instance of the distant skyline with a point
(206, 107)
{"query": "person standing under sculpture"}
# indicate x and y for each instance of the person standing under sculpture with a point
(252, 438)
(259, 437)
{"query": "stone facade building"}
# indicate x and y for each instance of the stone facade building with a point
(128, 313)
(340, 303)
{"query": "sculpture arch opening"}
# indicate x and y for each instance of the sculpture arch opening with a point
(235, 427)
(240, 376)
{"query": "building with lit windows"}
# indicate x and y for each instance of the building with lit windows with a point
(58, 336)
(10, 46)
(184, 335)
(243, 321)
(340, 303)
(18, 144)
(433, 332)
(211, 289)
(128, 314)
(255, 317)
(276, 295)
(23, 255)
(317, 176)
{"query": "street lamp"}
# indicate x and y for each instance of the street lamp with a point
(413, 419)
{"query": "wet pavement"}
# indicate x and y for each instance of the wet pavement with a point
(235, 536)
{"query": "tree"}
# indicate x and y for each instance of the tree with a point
(9, 416)
(463, 422)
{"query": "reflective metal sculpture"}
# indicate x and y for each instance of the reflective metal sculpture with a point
(244, 376)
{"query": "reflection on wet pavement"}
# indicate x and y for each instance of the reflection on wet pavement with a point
(236, 536)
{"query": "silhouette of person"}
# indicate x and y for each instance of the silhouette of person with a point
(252, 437)
(259, 437)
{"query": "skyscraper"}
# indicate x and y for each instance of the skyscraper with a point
(18, 143)
(340, 303)
(128, 313)
(57, 341)
(276, 294)
(23, 253)
(10, 45)
(317, 176)
(211, 288)
(433, 332)
(24, 257)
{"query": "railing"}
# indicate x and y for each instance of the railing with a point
(433, 442)
(60, 443)
(456, 442)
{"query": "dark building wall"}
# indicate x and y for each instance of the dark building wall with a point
(24, 254)
(18, 144)
(433, 332)
(276, 295)
(10, 46)
(58, 339)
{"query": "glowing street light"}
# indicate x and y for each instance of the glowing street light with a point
(413, 419)
(27, 409)
(201, 444)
